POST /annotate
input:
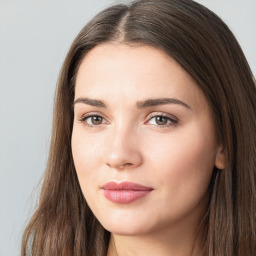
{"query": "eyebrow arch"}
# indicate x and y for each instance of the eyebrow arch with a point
(161, 101)
(139, 104)
(92, 102)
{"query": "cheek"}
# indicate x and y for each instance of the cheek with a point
(193, 146)
(85, 151)
(183, 164)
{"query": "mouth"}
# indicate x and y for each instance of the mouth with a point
(124, 192)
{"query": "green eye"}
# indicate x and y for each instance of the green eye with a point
(93, 120)
(161, 120)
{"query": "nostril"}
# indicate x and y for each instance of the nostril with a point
(122, 158)
(119, 165)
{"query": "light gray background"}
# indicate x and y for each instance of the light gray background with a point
(34, 38)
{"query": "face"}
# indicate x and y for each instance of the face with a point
(140, 118)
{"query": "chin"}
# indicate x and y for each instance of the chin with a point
(126, 229)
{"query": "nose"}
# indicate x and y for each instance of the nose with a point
(122, 150)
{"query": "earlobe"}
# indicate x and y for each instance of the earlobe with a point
(220, 161)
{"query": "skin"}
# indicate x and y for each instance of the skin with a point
(128, 144)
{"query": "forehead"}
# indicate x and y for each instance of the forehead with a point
(118, 71)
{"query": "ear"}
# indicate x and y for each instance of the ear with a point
(220, 160)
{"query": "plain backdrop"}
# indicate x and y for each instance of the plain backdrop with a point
(35, 36)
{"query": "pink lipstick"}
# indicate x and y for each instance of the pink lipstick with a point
(125, 192)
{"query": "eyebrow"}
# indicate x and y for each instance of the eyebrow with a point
(139, 104)
(92, 102)
(161, 101)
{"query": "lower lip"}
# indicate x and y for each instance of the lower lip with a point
(125, 196)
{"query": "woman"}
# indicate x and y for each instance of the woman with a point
(153, 147)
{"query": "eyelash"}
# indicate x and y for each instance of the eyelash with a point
(87, 116)
(171, 121)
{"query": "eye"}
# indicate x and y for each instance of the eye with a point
(93, 120)
(162, 120)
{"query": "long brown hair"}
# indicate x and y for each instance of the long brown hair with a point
(63, 224)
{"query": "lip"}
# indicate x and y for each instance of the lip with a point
(124, 192)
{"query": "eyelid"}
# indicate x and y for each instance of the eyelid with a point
(153, 114)
(91, 114)
(174, 120)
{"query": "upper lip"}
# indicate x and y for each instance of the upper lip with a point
(125, 186)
